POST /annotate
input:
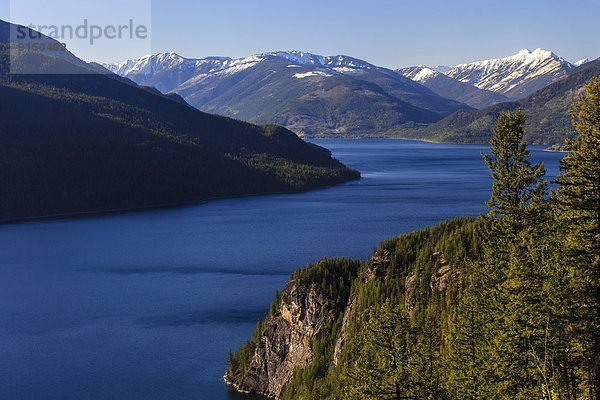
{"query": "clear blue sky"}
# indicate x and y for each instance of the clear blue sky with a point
(385, 32)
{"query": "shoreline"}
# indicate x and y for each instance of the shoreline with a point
(545, 147)
(193, 203)
(157, 207)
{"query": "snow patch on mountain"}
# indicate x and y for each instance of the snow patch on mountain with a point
(581, 62)
(503, 75)
(420, 73)
(311, 74)
(345, 70)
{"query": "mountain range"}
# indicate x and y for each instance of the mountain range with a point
(76, 138)
(548, 121)
(452, 88)
(310, 94)
(316, 95)
(516, 76)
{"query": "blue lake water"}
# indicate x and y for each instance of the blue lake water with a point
(146, 305)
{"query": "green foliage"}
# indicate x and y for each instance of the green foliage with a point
(239, 362)
(428, 254)
(500, 307)
(578, 211)
(517, 190)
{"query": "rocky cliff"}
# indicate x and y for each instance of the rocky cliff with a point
(313, 324)
(305, 310)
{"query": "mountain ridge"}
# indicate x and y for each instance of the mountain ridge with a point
(452, 88)
(98, 142)
(329, 96)
(548, 120)
(515, 76)
(311, 94)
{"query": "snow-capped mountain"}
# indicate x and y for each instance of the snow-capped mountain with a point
(309, 93)
(166, 71)
(581, 62)
(548, 120)
(515, 76)
(452, 88)
(152, 65)
(421, 73)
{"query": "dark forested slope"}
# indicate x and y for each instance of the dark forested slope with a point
(73, 140)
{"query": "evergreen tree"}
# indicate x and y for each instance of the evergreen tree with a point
(382, 367)
(578, 206)
(465, 339)
(517, 183)
(508, 283)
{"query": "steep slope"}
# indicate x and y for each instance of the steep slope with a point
(76, 141)
(452, 88)
(316, 319)
(547, 112)
(516, 76)
(308, 309)
(311, 94)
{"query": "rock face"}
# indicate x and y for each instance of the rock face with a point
(306, 312)
(341, 340)
(439, 280)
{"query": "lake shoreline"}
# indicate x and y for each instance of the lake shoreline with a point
(544, 147)
(166, 206)
(194, 203)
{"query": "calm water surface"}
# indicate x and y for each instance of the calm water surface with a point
(146, 305)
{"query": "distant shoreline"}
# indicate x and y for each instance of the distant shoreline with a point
(165, 206)
(193, 203)
(546, 147)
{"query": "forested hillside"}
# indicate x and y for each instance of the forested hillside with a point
(506, 306)
(74, 140)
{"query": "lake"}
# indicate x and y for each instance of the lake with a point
(146, 305)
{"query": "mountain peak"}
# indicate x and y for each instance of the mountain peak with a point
(528, 55)
(420, 73)
(517, 75)
(311, 59)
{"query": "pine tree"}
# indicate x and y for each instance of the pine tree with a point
(517, 183)
(382, 369)
(465, 339)
(578, 206)
(509, 282)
